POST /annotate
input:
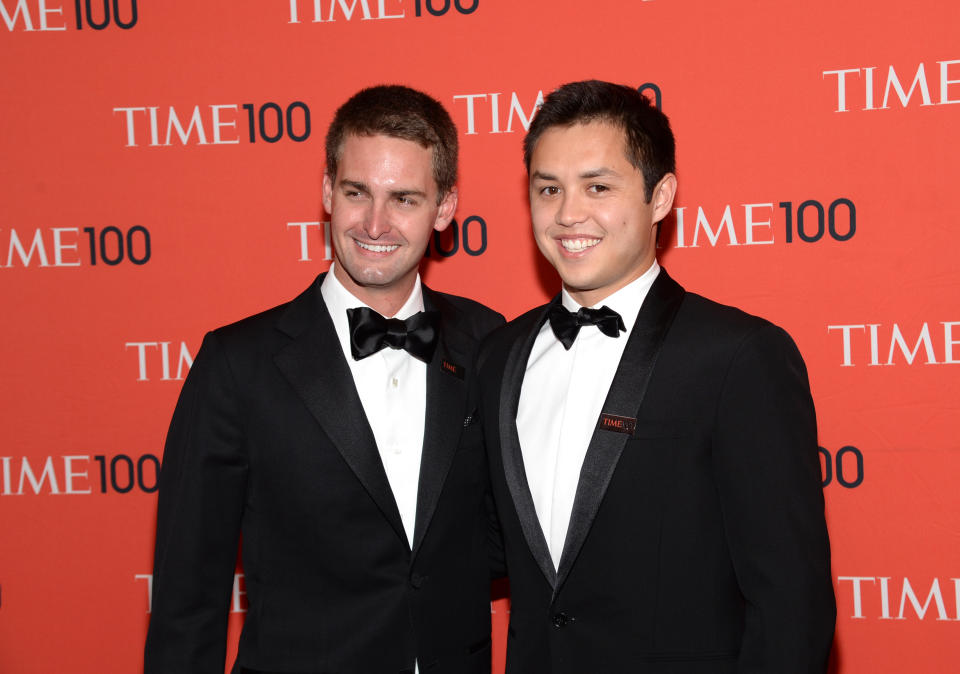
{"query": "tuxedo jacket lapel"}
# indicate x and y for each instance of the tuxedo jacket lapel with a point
(445, 411)
(314, 364)
(625, 399)
(513, 467)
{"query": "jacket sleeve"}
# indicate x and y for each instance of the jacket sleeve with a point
(768, 478)
(497, 558)
(201, 494)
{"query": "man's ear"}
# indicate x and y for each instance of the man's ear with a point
(327, 192)
(663, 195)
(448, 206)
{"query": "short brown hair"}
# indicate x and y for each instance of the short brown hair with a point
(650, 146)
(399, 112)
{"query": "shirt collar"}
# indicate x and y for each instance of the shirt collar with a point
(626, 301)
(338, 299)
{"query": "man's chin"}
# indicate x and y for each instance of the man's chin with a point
(375, 277)
(577, 284)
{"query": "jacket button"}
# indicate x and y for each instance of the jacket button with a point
(416, 581)
(561, 620)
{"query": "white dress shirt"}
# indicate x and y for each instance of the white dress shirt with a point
(392, 386)
(561, 400)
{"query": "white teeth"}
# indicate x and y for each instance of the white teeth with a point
(377, 248)
(576, 245)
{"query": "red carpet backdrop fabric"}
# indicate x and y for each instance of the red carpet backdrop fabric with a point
(161, 176)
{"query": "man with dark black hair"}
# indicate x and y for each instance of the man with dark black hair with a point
(335, 434)
(653, 454)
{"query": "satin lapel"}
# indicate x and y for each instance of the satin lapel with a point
(623, 399)
(315, 366)
(513, 467)
(445, 412)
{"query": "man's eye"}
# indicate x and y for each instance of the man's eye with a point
(598, 188)
(550, 190)
(406, 201)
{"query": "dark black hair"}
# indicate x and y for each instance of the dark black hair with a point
(649, 143)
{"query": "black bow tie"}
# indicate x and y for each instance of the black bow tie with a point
(370, 332)
(567, 324)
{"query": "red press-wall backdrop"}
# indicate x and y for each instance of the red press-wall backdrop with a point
(160, 176)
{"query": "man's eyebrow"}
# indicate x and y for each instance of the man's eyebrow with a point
(355, 184)
(601, 172)
(407, 193)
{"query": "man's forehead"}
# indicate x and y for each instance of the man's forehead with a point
(594, 148)
(373, 147)
(565, 134)
(371, 168)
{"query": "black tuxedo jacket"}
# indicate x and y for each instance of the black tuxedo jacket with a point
(269, 440)
(697, 541)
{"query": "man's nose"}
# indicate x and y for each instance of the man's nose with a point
(378, 221)
(571, 211)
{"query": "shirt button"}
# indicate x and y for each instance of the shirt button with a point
(395, 382)
(561, 619)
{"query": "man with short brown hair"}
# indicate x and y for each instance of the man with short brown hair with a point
(335, 434)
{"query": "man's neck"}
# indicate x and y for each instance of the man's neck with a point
(593, 297)
(385, 300)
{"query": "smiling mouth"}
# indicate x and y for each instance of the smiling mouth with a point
(377, 247)
(578, 245)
